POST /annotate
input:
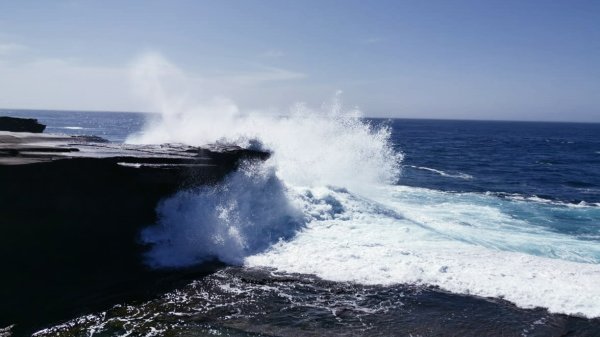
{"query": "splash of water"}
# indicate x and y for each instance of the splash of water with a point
(228, 221)
(254, 207)
(311, 147)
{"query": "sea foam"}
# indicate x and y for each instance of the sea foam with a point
(463, 247)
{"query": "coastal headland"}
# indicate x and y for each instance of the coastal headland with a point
(72, 208)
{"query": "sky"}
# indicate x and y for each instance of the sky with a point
(501, 60)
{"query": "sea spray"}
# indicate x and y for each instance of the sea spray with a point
(310, 147)
(260, 204)
(245, 214)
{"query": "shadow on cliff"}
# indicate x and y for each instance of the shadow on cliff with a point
(69, 234)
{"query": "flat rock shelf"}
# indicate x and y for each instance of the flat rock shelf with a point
(15, 124)
(72, 209)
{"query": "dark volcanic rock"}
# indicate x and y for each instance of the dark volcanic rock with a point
(21, 125)
(71, 212)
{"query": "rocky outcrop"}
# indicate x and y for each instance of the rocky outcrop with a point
(71, 210)
(14, 124)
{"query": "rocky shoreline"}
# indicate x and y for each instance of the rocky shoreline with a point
(72, 209)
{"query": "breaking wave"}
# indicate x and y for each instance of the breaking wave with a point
(242, 216)
(326, 203)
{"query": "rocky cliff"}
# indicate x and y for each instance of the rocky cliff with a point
(71, 209)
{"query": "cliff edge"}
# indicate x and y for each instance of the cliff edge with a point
(71, 212)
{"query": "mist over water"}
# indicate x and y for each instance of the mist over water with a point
(310, 147)
(329, 192)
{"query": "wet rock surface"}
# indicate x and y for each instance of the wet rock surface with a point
(260, 302)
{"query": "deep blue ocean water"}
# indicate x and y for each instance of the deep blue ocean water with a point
(554, 161)
(518, 182)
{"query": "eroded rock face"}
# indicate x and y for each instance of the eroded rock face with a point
(71, 210)
(14, 124)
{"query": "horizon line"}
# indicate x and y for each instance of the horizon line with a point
(369, 117)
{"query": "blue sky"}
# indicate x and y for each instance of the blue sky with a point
(517, 60)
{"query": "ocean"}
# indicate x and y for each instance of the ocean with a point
(367, 227)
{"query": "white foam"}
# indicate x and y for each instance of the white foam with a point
(537, 199)
(242, 216)
(486, 221)
(371, 243)
(6, 332)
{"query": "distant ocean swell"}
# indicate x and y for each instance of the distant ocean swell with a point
(328, 194)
